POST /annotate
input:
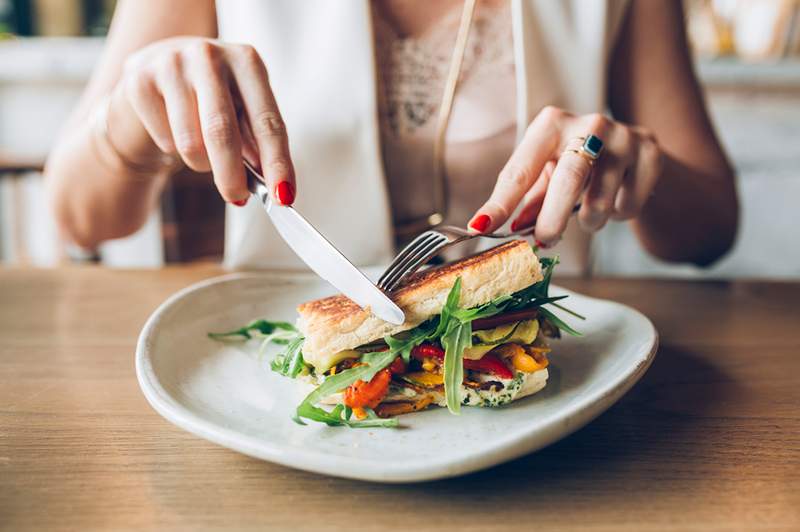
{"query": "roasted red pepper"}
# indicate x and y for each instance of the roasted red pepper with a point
(362, 394)
(427, 351)
(489, 363)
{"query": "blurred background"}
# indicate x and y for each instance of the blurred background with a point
(747, 57)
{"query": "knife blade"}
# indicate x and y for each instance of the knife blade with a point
(322, 256)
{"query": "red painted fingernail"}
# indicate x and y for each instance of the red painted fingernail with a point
(285, 192)
(240, 203)
(540, 244)
(515, 225)
(481, 223)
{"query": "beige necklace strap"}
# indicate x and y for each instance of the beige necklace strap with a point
(440, 199)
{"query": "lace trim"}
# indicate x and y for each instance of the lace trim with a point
(413, 70)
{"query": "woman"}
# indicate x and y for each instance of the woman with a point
(355, 88)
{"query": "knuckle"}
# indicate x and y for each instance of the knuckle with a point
(598, 121)
(624, 135)
(249, 54)
(516, 176)
(203, 50)
(269, 123)
(551, 114)
(170, 63)
(600, 204)
(190, 145)
(220, 129)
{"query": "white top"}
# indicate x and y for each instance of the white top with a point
(321, 58)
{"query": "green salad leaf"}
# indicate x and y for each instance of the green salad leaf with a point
(341, 415)
(280, 332)
(457, 338)
(404, 342)
(290, 363)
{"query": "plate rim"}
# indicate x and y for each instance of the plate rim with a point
(543, 435)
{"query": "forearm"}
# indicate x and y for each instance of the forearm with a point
(96, 194)
(692, 215)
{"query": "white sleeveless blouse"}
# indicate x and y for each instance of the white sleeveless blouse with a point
(321, 58)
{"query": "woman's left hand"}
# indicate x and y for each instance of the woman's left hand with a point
(549, 180)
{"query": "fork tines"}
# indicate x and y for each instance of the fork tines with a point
(411, 258)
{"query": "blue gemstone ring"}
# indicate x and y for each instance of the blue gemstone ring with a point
(591, 148)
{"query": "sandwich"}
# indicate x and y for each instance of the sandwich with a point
(477, 333)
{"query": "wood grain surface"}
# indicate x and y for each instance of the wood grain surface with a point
(708, 440)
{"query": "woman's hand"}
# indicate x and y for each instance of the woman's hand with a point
(210, 103)
(550, 181)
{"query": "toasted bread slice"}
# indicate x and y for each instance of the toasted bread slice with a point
(335, 323)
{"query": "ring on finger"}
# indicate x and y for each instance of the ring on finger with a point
(590, 148)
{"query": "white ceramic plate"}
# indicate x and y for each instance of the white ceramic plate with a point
(227, 395)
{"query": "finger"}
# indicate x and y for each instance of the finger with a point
(532, 202)
(638, 185)
(538, 146)
(619, 154)
(219, 124)
(569, 177)
(147, 102)
(265, 122)
(181, 109)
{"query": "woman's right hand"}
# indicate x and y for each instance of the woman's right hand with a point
(210, 103)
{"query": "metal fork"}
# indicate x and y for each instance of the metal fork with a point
(429, 244)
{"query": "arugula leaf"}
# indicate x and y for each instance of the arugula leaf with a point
(339, 416)
(290, 363)
(568, 311)
(558, 322)
(450, 307)
(457, 338)
(404, 342)
(262, 327)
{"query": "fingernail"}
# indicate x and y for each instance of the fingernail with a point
(514, 225)
(285, 192)
(481, 223)
(240, 203)
(540, 244)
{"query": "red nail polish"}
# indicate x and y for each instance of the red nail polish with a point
(481, 223)
(514, 225)
(285, 192)
(240, 203)
(540, 244)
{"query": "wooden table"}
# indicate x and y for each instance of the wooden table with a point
(708, 440)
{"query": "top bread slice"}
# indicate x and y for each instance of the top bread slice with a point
(335, 323)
